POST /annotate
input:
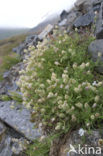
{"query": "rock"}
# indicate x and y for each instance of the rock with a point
(2, 132)
(84, 20)
(96, 8)
(10, 78)
(99, 24)
(2, 89)
(4, 142)
(71, 17)
(68, 22)
(63, 23)
(45, 32)
(33, 42)
(6, 150)
(6, 74)
(76, 141)
(13, 146)
(63, 15)
(94, 48)
(29, 38)
(84, 5)
(96, 2)
(20, 49)
(18, 119)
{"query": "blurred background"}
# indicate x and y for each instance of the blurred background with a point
(19, 16)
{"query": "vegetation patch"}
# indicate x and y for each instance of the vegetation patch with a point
(7, 57)
(59, 84)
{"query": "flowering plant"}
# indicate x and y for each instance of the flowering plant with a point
(58, 84)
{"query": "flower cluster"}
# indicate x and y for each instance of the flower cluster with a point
(58, 85)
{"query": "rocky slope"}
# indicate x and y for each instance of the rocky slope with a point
(16, 129)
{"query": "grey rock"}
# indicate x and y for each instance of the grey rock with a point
(2, 89)
(84, 20)
(94, 48)
(71, 17)
(63, 15)
(97, 2)
(19, 50)
(99, 24)
(2, 132)
(18, 119)
(6, 149)
(63, 22)
(29, 38)
(84, 5)
(45, 32)
(6, 74)
(33, 41)
(10, 78)
(68, 21)
(96, 8)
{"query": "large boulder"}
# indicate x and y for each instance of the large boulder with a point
(94, 49)
(68, 21)
(71, 17)
(84, 20)
(63, 15)
(19, 119)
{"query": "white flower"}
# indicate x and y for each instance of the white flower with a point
(61, 86)
(48, 81)
(42, 138)
(60, 42)
(79, 105)
(97, 98)
(94, 105)
(82, 66)
(40, 124)
(92, 117)
(65, 71)
(63, 52)
(88, 124)
(86, 105)
(14, 150)
(53, 119)
(94, 83)
(67, 87)
(81, 132)
(96, 12)
(74, 65)
(66, 97)
(74, 118)
(42, 110)
(76, 90)
(100, 84)
(99, 54)
(50, 95)
(42, 85)
(56, 63)
(76, 29)
(87, 64)
(58, 126)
